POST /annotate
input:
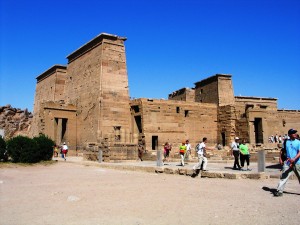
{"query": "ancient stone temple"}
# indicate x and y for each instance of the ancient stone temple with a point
(87, 105)
(87, 101)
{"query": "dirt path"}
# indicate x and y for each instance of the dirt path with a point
(70, 194)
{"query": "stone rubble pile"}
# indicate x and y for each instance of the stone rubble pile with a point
(15, 121)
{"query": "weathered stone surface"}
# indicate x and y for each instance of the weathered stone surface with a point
(257, 176)
(169, 171)
(14, 121)
(189, 172)
(232, 176)
(182, 171)
(159, 170)
(212, 174)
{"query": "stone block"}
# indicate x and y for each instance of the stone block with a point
(159, 170)
(182, 171)
(257, 176)
(212, 174)
(169, 171)
(189, 172)
(232, 176)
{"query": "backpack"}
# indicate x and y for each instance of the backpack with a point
(283, 151)
(197, 147)
(203, 151)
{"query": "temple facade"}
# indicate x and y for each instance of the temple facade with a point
(87, 105)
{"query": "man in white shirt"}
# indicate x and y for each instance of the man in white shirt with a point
(201, 150)
(235, 151)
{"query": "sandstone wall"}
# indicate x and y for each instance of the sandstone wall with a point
(184, 94)
(226, 124)
(83, 91)
(49, 87)
(115, 109)
(225, 90)
(97, 84)
(174, 121)
(216, 89)
(207, 91)
(274, 121)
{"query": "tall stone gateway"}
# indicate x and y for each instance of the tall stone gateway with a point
(86, 102)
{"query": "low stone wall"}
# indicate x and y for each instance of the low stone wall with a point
(115, 152)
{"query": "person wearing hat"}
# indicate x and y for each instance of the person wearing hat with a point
(235, 151)
(64, 151)
(292, 163)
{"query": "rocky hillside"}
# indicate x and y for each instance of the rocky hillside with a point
(14, 121)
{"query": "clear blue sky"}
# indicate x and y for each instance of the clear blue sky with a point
(171, 44)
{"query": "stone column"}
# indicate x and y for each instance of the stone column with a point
(261, 164)
(100, 156)
(159, 161)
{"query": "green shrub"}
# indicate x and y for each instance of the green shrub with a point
(2, 149)
(45, 145)
(23, 149)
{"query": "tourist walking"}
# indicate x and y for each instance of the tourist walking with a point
(140, 151)
(167, 149)
(182, 150)
(55, 150)
(235, 151)
(292, 162)
(188, 150)
(65, 149)
(244, 155)
(201, 150)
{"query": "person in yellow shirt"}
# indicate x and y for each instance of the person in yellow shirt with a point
(182, 150)
(55, 150)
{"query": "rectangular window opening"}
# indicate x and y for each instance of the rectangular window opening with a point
(186, 113)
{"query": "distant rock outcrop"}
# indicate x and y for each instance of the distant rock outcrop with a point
(15, 121)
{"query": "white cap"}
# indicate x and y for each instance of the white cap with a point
(236, 138)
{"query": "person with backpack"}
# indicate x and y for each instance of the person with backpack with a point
(291, 163)
(201, 150)
(282, 154)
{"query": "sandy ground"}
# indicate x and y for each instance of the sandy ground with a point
(69, 194)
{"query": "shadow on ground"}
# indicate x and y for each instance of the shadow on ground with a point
(273, 190)
(275, 166)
